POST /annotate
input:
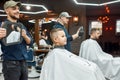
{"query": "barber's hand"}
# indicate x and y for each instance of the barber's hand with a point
(23, 33)
(77, 33)
(81, 31)
(2, 32)
(26, 38)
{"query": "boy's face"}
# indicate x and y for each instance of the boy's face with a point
(97, 34)
(61, 39)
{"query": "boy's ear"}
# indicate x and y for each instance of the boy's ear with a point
(55, 39)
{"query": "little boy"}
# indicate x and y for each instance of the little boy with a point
(60, 64)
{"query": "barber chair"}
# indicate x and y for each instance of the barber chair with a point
(34, 72)
(0, 64)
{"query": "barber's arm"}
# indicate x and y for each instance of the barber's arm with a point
(26, 37)
(2, 32)
(74, 36)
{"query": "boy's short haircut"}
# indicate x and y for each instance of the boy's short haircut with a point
(93, 30)
(53, 32)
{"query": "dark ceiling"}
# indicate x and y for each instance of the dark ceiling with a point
(95, 1)
(57, 6)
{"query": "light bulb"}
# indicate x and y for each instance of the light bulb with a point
(28, 7)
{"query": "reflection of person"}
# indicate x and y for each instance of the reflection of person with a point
(91, 50)
(14, 56)
(60, 64)
(62, 20)
(43, 40)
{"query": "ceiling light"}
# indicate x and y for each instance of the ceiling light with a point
(28, 7)
(34, 5)
(3, 15)
(31, 21)
(42, 21)
(89, 4)
(2, 11)
(111, 2)
(93, 4)
(30, 12)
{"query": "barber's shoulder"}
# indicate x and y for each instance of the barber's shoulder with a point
(5, 23)
(58, 25)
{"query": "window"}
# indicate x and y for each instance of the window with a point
(118, 27)
(95, 24)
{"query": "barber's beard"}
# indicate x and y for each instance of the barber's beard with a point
(14, 17)
(65, 23)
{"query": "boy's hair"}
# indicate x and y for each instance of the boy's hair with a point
(53, 33)
(94, 30)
